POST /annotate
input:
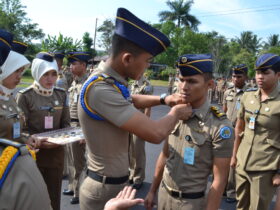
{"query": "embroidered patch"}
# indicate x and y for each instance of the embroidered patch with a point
(225, 132)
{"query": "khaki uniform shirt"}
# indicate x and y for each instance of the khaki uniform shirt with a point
(10, 116)
(24, 187)
(231, 100)
(210, 136)
(220, 84)
(259, 149)
(74, 93)
(36, 108)
(106, 141)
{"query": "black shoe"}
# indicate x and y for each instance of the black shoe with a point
(74, 200)
(137, 186)
(230, 200)
(68, 192)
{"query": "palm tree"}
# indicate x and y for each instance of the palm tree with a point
(272, 41)
(180, 12)
(249, 41)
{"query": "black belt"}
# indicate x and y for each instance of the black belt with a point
(106, 180)
(74, 120)
(177, 194)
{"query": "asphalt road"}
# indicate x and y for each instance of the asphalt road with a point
(152, 152)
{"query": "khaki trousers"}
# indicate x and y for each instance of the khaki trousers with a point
(167, 202)
(231, 185)
(94, 195)
(254, 190)
(137, 160)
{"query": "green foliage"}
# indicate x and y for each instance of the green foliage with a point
(53, 43)
(87, 44)
(13, 19)
(249, 41)
(107, 30)
(180, 12)
(164, 74)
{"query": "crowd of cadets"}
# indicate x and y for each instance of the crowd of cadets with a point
(198, 136)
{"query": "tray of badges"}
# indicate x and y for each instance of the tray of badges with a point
(63, 136)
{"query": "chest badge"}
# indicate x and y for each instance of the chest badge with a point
(56, 103)
(251, 102)
(4, 106)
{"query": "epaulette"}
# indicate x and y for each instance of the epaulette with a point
(25, 89)
(9, 155)
(251, 89)
(217, 112)
(59, 88)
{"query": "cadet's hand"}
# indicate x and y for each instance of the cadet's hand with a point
(174, 99)
(149, 200)
(183, 111)
(276, 180)
(124, 200)
(233, 161)
(83, 141)
(33, 142)
(48, 145)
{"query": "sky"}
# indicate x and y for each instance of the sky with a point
(74, 18)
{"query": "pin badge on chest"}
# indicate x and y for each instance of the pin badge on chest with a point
(4, 106)
(10, 109)
(252, 102)
(56, 103)
(266, 109)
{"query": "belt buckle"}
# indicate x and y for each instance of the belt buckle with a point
(104, 179)
(180, 194)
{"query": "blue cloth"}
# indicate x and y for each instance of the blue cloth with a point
(240, 69)
(191, 64)
(266, 61)
(6, 40)
(140, 33)
(78, 56)
(19, 47)
(45, 56)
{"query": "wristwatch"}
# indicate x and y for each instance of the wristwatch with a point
(162, 98)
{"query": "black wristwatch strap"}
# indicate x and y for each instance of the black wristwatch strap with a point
(162, 98)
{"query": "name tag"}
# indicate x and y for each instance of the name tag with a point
(252, 123)
(189, 156)
(16, 130)
(48, 122)
(75, 97)
(237, 105)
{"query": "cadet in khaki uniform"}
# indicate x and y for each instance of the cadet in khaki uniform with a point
(107, 115)
(21, 184)
(76, 151)
(137, 145)
(46, 108)
(196, 147)
(231, 105)
(220, 90)
(257, 143)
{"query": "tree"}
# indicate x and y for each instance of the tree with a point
(272, 41)
(13, 19)
(249, 41)
(107, 30)
(87, 44)
(180, 12)
(67, 44)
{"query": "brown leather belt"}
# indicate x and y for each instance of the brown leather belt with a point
(105, 179)
(179, 194)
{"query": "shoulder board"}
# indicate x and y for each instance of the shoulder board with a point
(231, 87)
(25, 89)
(217, 112)
(59, 88)
(251, 89)
(7, 142)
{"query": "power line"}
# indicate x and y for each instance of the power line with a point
(233, 10)
(240, 12)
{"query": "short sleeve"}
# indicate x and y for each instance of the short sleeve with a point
(241, 111)
(223, 137)
(224, 98)
(104, 99)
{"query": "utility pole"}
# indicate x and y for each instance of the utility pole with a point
(95, 33)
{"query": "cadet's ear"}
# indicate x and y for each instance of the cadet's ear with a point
(210, 83)
(126, 58)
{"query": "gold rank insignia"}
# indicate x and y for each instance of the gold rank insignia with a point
(184, 60)
(216, 111)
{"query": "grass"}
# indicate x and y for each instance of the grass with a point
(159, 83)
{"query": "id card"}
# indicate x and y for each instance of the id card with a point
(16, 130)
(189, 156)
(48, 122)
(237, 105)
(252, 123)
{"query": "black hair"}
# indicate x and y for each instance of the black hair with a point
(120, 44)
(276, 67)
